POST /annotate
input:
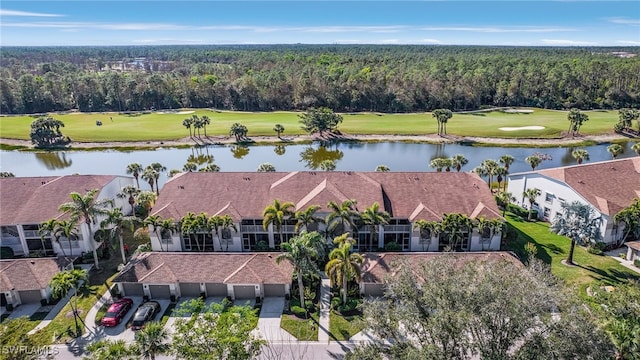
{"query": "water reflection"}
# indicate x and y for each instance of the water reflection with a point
(312, 158)
(239, 151)
(54, 160)
(279, 149)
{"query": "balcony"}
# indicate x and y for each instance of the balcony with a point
(252, 229)
(397, 228)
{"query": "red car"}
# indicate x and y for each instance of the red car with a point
(116, 312)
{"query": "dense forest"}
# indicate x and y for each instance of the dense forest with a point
(295, 77)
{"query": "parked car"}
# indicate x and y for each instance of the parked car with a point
(145, 313)
(116, 312)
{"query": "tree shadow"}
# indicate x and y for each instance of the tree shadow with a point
(609, 277)
(520, 239)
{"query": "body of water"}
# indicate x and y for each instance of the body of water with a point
(398, 156)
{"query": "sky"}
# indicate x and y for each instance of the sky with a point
(453, 22)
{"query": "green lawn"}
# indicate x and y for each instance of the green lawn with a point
(552, 249)
(344, 327)
(81, 127)
(301, 329)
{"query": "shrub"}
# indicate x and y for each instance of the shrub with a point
(262, 246)
(623, 256)
(522, 212)
(309, 305)
(531, 249)
(636, 262)
(299, 312)
(592, 249)
(6, 252)
(392, 246)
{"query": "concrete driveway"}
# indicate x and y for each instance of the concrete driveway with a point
(269, 321)
(121, 332)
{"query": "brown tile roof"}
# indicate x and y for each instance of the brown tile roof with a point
(378, 266)
(29, 274)
(425, 195)
(608, 185)
(31, 200)
(635, 245)
(228, 268)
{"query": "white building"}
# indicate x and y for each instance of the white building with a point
(607, 186)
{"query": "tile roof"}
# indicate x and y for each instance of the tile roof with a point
(635, 245)
(227, 268)
(608, 185)
(420, 195)
(29, 274)
(378, 266)
(30, 200)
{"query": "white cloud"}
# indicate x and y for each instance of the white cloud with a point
(5, 12)
(389, 41)
(625, 21)
(430, 41)
(335, 29)
(628, 42)
(169, 41)
(559, 42)
(101, 26)
(495, 29)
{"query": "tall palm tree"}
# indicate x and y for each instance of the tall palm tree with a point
(344, 266)
(119, 223)
(88, 208)
(307, 217)
(343, 239)
(500, 172)
(135, 169)
(531, 194)
(373, 217)
(210, 168)
(427, 229)
(187, 123)
(506, 161)
(441, 163)
(149, 175)
(504, 199)
(615, 150)
(342, 215)
(458, 161)
(69, 230)
(226, 223)
(205, 121)
(456, 226)
(190, 167)
(299, 252)
(50, 228)
(636, 147)
(279, 129)
(491, 225)
(130, 193)
(189, 227)
(580, 155)
(159, 168)
(442, 116)
(490, 167)
(64, 281)
(146, 199)
(152, 340)
(204, 227)
(276, 215)
(155, 222)
(578, 222)
(327, 165)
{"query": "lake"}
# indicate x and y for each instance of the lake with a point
(355, 156)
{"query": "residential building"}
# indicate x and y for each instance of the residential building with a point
(406, 196)
(607, 186)
(24, 281)
(27, 202)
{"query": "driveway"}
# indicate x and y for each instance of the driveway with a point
(121, 332)
(269, 321)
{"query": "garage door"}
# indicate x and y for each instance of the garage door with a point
(244, 291)
(373, 290)
(274, 290)
(216, 290)
(30, 296)
(190, 289)
(132, 289)
(160, 291)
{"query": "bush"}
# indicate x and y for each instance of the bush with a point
(636, 262)
(592, 249)
(308, 304)
(623, 256)
(392, 246)
(299, 312)
(6, 252)
(522, 212)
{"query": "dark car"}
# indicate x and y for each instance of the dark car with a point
(146, 312)
(116, 312)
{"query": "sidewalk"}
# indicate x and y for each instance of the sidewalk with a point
(615, 254)
(325, 309)
(53, 312)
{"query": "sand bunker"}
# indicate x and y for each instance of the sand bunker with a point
(518, 111)
(535, 127)
(176, 112)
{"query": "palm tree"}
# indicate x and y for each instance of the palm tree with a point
(533, 161)
(636, 147)
(149, 175)
(531, 194)
(226, 223)
(343, 239)
(155, 222)
(205, 121)
(301, 255)
(187, 123)
(279, 129)
(239, 131)
(576, 119)
(373, 217)
(159, 168)
(504, 199)
(344, 266)
(501, 172)
(50, 227)
(440, 163)
(456, 226)
(135, 169)
(427, 229)
(87, 207)
(276, 215)
(151, 341)
(119, 223)
(190, 167)
(615, 150)
(490, 168)
(382, 168)
(580, 155)
(307, 217)
(341, 215)
(578, 222)
(630, 217)
(64, 281)
(210, 168)
(197, 124)
(189, 226)
(483, 224)
(442, 116)
(130, 193)
(266, 167)
(458, 161)
(146, 199)
(109, 350)
(506, 161)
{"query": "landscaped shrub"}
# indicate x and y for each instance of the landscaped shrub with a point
(594, 250)
(6, 252)
(392, 246)
(522, 212)
(308, 304)
(262, 246)
(350, 308)
(299, 312)
(636, 262)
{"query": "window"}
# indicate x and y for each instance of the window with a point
(199, 242)
(547, 212)
(166, 237)
(401, 239)
(486, 234)
(548, 198)
(460, 243)
(250, 241)
(226, 236)
(562, 201)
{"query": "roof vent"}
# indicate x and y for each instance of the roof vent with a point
(246, 178)
(180, 187)
(312, 172)
(44, 182)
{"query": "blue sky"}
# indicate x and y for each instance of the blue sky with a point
(131, 22)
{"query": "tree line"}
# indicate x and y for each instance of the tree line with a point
(342, 78)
